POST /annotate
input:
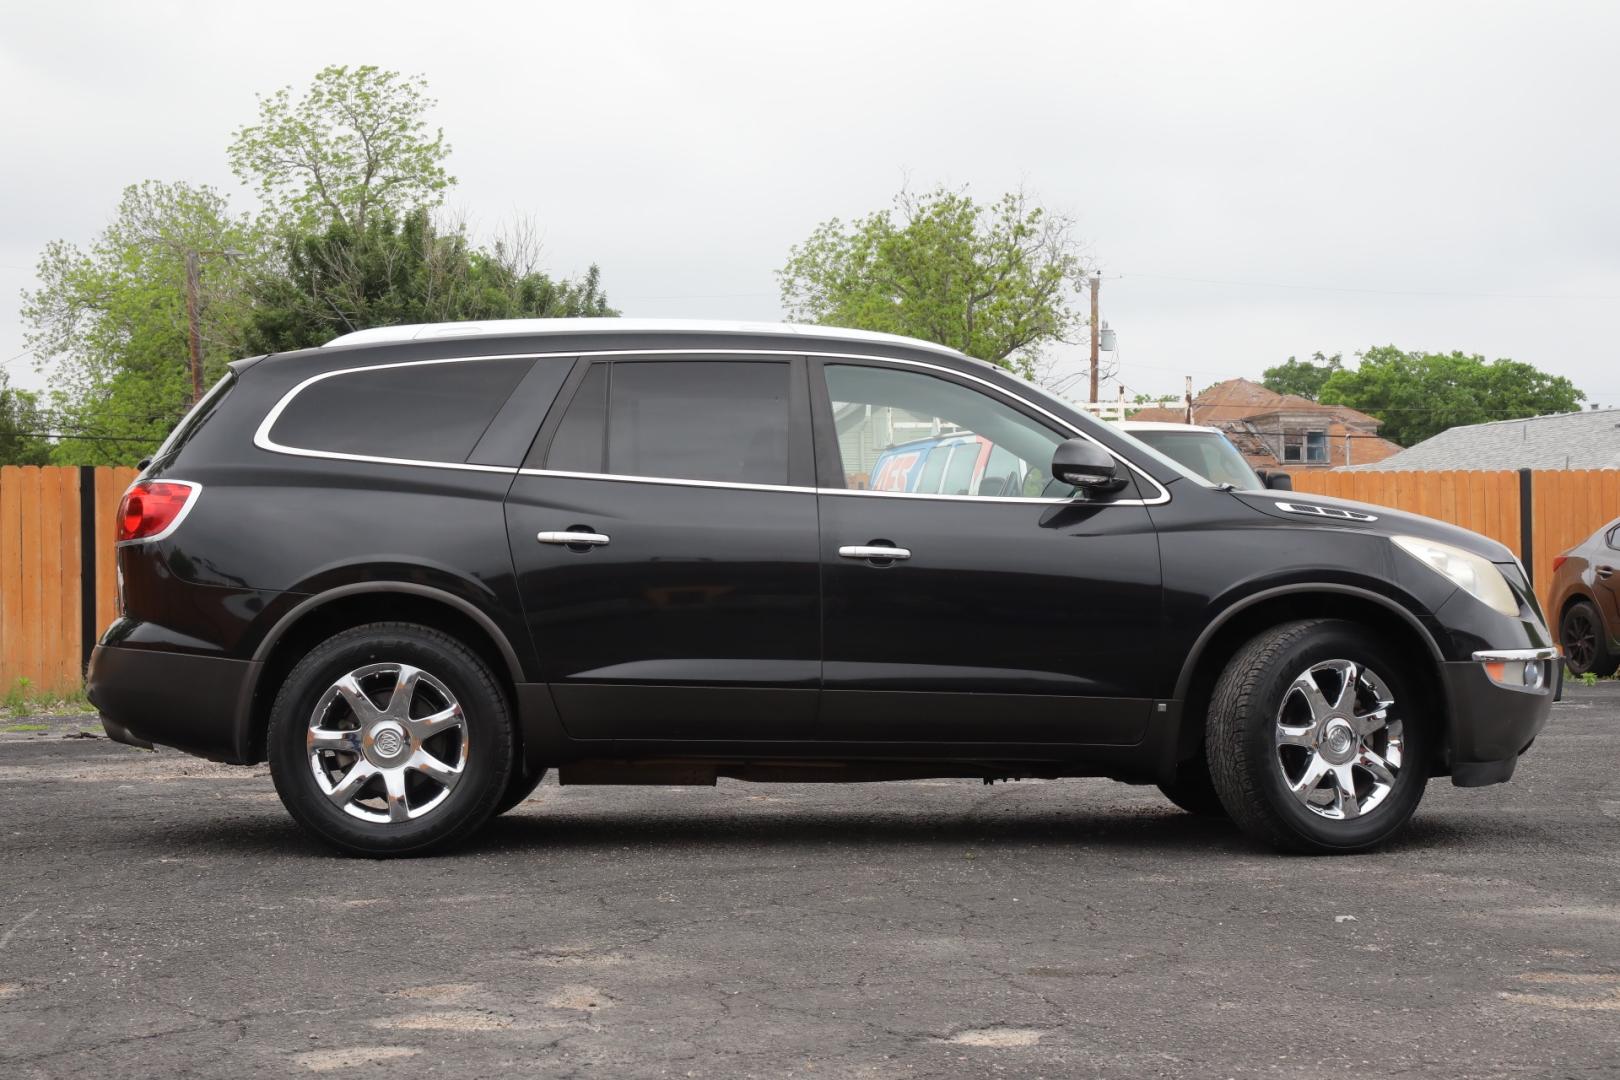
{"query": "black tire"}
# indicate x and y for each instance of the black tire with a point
(1248, 766)
(484, 723)
(1585, 641)
(1195, 792)
(518, 788)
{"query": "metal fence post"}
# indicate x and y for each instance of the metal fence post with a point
(87, 564)
(1527, 551)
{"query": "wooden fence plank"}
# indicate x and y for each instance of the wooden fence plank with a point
(68, 673)
(28, 651)
(46, 537)
(11, 628)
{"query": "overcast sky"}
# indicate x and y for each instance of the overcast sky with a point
(1254, 180)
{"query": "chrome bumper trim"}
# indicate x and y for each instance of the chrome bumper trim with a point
(1493, 656)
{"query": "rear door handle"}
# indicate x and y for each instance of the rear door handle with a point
(1604, 571)
(584, 539)
(874, 551)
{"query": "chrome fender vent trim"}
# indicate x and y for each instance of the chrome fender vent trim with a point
(1333, 512)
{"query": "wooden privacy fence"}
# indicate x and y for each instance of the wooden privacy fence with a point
(1565, 506)
(57, 587)
(57, 590)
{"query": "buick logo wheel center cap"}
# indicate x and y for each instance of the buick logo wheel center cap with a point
(389, 741)
(1338, 741)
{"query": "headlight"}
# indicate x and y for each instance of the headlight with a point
(1475, 575)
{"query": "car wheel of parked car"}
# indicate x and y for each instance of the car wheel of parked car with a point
(1313, 741)
(518, 789)
(1194, 791)
(390, 739)
(1585, 641)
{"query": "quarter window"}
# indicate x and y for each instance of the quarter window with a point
(413, 412)
(904, 431)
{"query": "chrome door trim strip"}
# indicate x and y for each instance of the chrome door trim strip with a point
(262, 439)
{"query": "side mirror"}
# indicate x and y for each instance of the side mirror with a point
(1278, 481)
(1087, 466)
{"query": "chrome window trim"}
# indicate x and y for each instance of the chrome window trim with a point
(262, 439)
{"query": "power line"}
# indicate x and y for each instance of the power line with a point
(1457, 293)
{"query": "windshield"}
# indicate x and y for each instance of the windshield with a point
(1208, 453)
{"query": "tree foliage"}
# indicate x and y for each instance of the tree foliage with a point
(1419, 394)
(350, 177)
(354, 144)
(1304, 378)
(108, 323)
(404, 271)
(21, 423)
(996, 281)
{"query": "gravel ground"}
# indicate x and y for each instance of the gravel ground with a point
(163, 917)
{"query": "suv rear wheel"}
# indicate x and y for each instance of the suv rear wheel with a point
(390, 739)
(1313, 741)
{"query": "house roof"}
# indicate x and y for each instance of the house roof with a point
(1577, 440)
(1242, 399)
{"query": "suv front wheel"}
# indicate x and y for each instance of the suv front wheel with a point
(390, 739)
(1314, 741)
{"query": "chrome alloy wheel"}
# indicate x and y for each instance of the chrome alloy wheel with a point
(387, 743)
(1339, 752)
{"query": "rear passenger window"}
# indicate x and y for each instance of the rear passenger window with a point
(415, 412)
(722, 421)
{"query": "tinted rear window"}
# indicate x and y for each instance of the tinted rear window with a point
(725, 421)
(418, 412)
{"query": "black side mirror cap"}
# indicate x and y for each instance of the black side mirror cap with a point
(1087, 466)
(1278, 481)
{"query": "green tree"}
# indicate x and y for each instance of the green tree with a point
(1304, 378)
(1419, 394)
(404, 271)
(21, 426)
(996, 281)
(354, 144)
(109, 323)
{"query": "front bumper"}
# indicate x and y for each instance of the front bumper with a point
(198, 704)
(1492, 724)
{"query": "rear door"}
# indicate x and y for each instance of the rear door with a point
(689, 606)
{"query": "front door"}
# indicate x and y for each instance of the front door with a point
(664, 535)
(969, 597)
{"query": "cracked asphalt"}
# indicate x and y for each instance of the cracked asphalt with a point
(163, 917)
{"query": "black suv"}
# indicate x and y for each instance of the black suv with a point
(420, 566)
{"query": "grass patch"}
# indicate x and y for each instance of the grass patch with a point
(22, 699)
(24, 729)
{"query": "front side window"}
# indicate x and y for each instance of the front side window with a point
(722, 421)
(906, 431)
(411, 412)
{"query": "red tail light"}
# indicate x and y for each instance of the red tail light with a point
(152, 509)
(1559, 560)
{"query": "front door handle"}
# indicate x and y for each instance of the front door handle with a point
(874, 551)
(1604, 571)
(583, 539)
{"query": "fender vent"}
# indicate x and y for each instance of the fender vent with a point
(1332, 512)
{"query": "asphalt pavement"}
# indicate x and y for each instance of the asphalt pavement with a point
(162, 916)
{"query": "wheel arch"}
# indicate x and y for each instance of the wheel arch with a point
(1242, 620)
(334, 610)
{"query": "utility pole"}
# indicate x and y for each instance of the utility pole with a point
(193, 335)
(1188, 398)
(193, 331)
(1096, 330)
